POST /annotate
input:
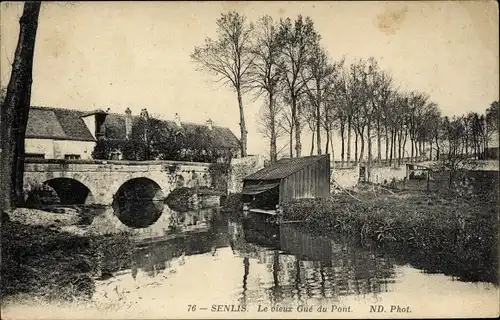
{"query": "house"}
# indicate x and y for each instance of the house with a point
(288, 179)
(56, 133)
(118, 127)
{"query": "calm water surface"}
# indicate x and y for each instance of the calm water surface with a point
(207, 259)
(195, 263)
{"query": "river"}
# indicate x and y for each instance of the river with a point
(207, 264)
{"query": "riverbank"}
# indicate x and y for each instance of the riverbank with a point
(465, 229)
(54, 256)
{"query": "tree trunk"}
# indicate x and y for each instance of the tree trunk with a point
(327, 141)
(296, 122)
(379, 144)
(411, 156)
(362, 151)
(430, 149)
(243, 128)
(405, 136)
(15, 110)
(349, 135)
(312, 142)
(355, 145)
(369, 152)
(392, 147)
(290, 137)
(272, 150)
(331, 144)
(438, 151)
(342, 128)
(399, 147)
(318, 121)
(387, 145)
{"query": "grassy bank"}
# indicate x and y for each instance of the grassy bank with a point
(47, 262)
(466, 229)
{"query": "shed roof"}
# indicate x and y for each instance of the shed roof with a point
(284, 167)
(56, 123)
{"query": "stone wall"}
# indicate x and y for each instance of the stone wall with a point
(344, 177)
(349, 177)
(240, 168)
(379, 175)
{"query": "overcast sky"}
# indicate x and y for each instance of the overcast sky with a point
(131, 54)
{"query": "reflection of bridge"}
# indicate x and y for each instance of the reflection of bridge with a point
(99, 182)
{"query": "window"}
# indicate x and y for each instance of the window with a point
(72, 156)
(35, 155)
(115, 155)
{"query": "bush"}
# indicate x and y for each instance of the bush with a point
(233, 203)
(181, 199)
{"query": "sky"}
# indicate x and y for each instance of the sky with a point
(116, 55)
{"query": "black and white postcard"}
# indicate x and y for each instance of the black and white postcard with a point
(270, 159)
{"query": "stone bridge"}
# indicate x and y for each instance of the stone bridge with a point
(100, 181)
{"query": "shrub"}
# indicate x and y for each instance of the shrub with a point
(180, 199)
(233, 203)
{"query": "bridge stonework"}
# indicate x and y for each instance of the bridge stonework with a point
(104, 178)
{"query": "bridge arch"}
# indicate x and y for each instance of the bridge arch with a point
(140, 188)
(68, 191)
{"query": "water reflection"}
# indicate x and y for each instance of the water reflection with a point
(138, 214)
(260, 262)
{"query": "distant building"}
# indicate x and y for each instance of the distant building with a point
(56, 133)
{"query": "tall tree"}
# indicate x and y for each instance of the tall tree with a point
(15, 110)
(265, 77)
(230, 57)
(297, 40)
(345, 91)
(492, 124)
(321, 71)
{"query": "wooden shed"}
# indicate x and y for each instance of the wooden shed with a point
(287, 179)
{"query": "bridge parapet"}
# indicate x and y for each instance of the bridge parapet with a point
(104, 178)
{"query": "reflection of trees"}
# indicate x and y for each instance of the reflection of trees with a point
(336, 268)
(155, 257)
(464, 264)
(313, 266)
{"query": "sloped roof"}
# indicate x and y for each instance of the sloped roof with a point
(114, 127)
(283, 168)
(56, 123)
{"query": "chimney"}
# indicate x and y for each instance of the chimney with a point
(177, 120)
(108, 110)
(144, 113)
(210, 124)
(128, 123)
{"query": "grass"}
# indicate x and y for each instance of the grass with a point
(48, 263)
(463, 228)
(45, 262)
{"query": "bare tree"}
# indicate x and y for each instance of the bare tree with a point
(286, 124)
(271, 127)
(230, 57)
(345, 91)
(297, 40)
(15, 110)
(265, 76)
(321, 71)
